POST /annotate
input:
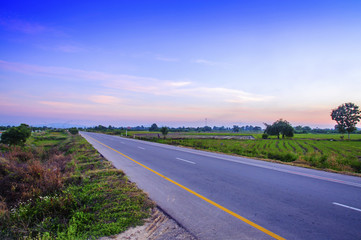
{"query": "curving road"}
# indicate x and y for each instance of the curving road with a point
(217, 196)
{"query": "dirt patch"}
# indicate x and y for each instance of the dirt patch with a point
(159, 226)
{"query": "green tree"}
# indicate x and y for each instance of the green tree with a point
(164, 131)
(346, 116)
(280, 127)
(153, 128)
(207, 129)
(73, 131)
(236, 128)
(16, 135)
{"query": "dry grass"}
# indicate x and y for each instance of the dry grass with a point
(23, 176)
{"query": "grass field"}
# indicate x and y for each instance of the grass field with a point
(325, 151)
(333, 136)
(47, 139)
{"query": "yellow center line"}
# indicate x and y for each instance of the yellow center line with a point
(200, 196)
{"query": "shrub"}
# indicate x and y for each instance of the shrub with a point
(20, 181)
(16, 153)
(264, 135)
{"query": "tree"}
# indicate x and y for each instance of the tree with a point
(153, 128)
(164, 131)
(16, 135)
(207, 129)
(346, 116)
(280, 127)
(236, 128)
(257, 129)
(73, 131)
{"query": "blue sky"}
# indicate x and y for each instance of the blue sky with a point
(178, 62)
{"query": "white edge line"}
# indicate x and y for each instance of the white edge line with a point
(180, 159)
(345, 206)
(142, 148)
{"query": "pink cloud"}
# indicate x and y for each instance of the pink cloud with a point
(103, 99)
(137, 84)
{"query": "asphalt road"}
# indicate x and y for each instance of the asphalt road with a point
(217, 196)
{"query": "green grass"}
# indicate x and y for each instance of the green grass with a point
(96, 200)
(47, 139)
(334, 136)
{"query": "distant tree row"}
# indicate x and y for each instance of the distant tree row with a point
(246, 128)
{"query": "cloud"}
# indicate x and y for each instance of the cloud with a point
(209, 63)
(65, 105)
(104, 99)
(126, 82)
(233, 96)
(137, 84)
(179, 84)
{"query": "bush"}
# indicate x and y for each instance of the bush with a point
(24, 176)
(264, 135)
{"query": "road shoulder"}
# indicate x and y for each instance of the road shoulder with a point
(159, 226)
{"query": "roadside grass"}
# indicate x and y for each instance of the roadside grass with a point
(344, 156)
(90, 198)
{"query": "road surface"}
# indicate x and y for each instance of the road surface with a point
(216, 196)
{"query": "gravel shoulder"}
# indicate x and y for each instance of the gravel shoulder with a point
(158, 227)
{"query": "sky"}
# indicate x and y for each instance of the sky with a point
(178, 63)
